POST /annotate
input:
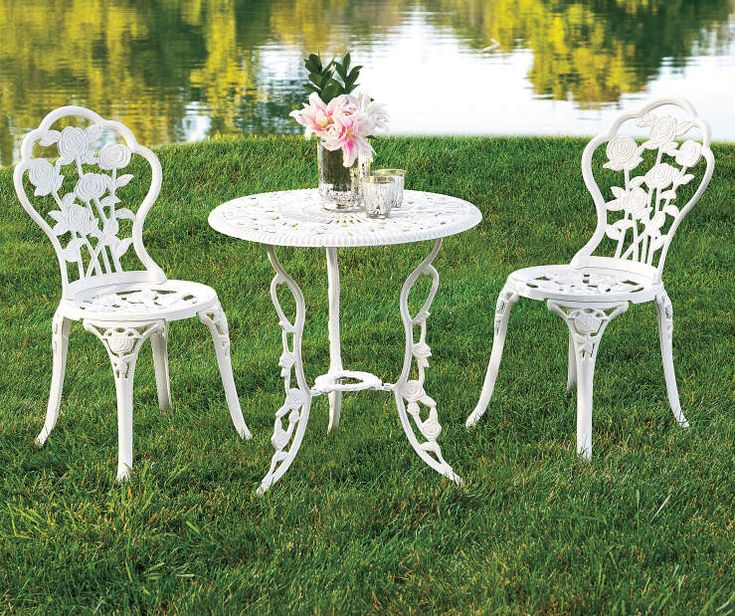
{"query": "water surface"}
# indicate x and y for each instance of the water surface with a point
(185, 70)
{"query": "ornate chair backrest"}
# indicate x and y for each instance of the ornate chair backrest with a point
(652, 181)
(77, 188)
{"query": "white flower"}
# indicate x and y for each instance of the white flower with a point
(92, 186)
(421, 350)
(375, 112)
(114, 156)
(120, 343)
(633, 201)
(586, 323)
(663, 131)
(44, 177)
(431, 429)
(295, 398)
(73, 143)
(689, 153)
(661, 176)
(74, 218)
(412, 391)
(622, 153)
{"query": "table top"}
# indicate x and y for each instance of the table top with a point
(297, 218)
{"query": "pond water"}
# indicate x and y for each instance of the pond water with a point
(183, 70)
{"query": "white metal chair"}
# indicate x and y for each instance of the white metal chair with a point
(103, 283)
(636, 226)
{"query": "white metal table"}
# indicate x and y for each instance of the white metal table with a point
(296, 218)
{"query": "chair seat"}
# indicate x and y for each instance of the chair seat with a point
(170, 301)
(585, 284)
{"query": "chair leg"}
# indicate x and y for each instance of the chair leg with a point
(586, 326)
(571, 365)
(123, 342)
(59, 344)
(665, 334)
(159, 344)
(507, 298)
(216, 321)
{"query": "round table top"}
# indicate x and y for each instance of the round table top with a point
(297, 218)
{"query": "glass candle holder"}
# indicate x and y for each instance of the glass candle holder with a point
(400, 177)
(378, 195)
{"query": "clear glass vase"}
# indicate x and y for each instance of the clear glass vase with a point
(340, 186)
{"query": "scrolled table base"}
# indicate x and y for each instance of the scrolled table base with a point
(416, 410)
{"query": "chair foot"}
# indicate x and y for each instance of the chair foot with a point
(59, 344)
(216, 321)
(123, 474)
(586, 325)
(665, 333)
(42, 436)
(122, 342)
(507, 298)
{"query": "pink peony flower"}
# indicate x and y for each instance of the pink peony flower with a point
(345, 123)
(315, 116)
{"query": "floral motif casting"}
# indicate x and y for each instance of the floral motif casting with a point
(646, 201)
(87, 213)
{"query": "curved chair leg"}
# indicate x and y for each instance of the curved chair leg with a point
(215, 319)
(665, 334)
(59, 344)
(410, 394)
(507, 298)
(159, 344)
(123, 342)
(295, 409)
(571, 365)
(586, 326)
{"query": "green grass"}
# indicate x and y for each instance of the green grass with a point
(359, 523)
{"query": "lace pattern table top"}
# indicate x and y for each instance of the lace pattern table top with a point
(297, 218)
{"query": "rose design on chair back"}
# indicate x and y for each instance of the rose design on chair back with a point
(84, 219)
(645, 211)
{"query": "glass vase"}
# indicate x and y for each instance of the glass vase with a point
(340, 186)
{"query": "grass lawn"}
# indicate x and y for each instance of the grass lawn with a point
(359, 523)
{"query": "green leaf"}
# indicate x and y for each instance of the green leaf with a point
(315, 61)
(317, 79)
(310, 87)
(331, 90)
(346, 61)
(336, 84)
(341, 70)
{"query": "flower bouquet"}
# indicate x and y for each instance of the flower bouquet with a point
(342, 122)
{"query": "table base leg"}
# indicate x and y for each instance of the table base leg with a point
(410, 394)
(292, 417)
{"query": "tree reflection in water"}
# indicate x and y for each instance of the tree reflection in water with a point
(239, 59)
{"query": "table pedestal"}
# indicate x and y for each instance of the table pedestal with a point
(416, 410)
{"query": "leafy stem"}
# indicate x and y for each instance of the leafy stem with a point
(332, 80)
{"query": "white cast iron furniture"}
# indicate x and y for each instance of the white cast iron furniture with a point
(94, 228)
(640, 220)
(296, 218)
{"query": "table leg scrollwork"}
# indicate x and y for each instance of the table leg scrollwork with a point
(411, 398)
(293, 415)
